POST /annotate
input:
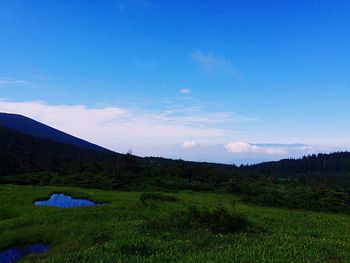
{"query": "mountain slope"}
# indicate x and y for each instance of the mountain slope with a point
(21, 153)
(29, 126)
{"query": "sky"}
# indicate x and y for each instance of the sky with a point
(221, 81)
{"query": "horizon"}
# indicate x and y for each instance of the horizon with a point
(224, 82)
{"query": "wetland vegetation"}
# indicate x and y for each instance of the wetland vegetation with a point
(194, 227)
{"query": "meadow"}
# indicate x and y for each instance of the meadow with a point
(147, 227)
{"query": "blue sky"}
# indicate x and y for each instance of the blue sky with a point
(224, 81)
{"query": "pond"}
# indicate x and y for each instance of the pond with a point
(14, 254)
(64, 201)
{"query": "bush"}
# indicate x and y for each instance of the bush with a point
(294, 196)
(219, 220)
(144, 197)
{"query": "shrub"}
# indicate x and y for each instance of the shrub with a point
(144, 197)
(219, 220)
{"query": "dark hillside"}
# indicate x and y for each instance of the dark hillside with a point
(21, 153)
(29, 126)
(333, 167)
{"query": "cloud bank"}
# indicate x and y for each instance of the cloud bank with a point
(244, 147)
(187, 133)
(111, 124)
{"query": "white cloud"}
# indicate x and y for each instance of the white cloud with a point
(217, 152)
(110, 126)
(8, 81)
(161, 133)
(185, 91)
(189, 144)
(244, 147)
(214, 64)
(238, 147)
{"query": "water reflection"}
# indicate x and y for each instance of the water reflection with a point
(16, 253)
(64, 201)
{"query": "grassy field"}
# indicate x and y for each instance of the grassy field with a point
(127, 230)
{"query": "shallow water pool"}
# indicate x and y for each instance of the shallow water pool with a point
(14, 254)
(64, 201)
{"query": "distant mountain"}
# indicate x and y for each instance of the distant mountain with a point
(31, 127)
(332, 167)
(24, 153)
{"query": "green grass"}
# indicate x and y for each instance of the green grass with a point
(116, 232)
